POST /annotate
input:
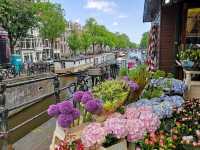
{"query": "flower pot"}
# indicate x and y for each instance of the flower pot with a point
(187, 64)
(122, 145)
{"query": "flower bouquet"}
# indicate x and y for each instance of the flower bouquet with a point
(113, 93)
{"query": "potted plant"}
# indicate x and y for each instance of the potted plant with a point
(189, 58)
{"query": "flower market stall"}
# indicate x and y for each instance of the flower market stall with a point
(136, 111)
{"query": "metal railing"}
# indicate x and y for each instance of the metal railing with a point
(9, 71)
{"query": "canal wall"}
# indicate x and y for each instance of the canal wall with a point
(20, 92)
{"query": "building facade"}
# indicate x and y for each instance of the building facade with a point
(177, 25)
(4, 47)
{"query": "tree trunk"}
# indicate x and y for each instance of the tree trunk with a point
(52, 51)
(93, 47)
(85, 51)
(11, 44)
(101, 47)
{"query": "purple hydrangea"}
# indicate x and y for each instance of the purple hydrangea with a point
(65, 107)
(53, 110)
(125, 78)
(65, 120)
(76, 113)
(87, 96)
(77, 96)
(134, 86)
(93, 106)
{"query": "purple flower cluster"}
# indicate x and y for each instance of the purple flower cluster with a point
(94, 106)
(90, 104)
(64, 112)
(133, 85)
(77, 96)
(87, 96)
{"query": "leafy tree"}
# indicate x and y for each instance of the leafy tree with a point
(144, 40)
(74, 42)
(52, 21)
(122, 41)
(17, 17)
(133, 45)
(86, 40)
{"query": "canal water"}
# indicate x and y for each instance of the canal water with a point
(34, 110)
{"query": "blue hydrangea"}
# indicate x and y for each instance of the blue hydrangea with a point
(163, 110)
(177, 86)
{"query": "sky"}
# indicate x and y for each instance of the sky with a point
(124, 16)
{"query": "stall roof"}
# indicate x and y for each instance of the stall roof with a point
(152, 7)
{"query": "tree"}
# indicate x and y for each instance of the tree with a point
(74, 42)
(85, 40)
(91, 28)
(52, 21)
(17, 17)
(133, 45)
(144, 40)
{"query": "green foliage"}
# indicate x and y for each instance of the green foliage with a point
(101, 36)
(133, 45)
(144, 40)
(189, 54)
(74, 42)
(140, 75)
(17, 17)
(152, 92)
(112, 92)
(52, 21)
(123, 72)
(86, 40)
(110, 140)
(161, 74)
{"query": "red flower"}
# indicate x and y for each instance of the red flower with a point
(80, 146)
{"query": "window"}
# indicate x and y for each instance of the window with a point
(193, 26)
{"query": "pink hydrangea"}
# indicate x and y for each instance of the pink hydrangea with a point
(131, 113)
(93, 134)
(151, 120)
(116, 127)
(136, 130)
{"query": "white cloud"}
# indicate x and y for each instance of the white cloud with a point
(101, 5)
(115, 24)
(122, 16)
(77, 20)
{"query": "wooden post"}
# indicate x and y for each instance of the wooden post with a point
(57, 89)
(3, 117)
